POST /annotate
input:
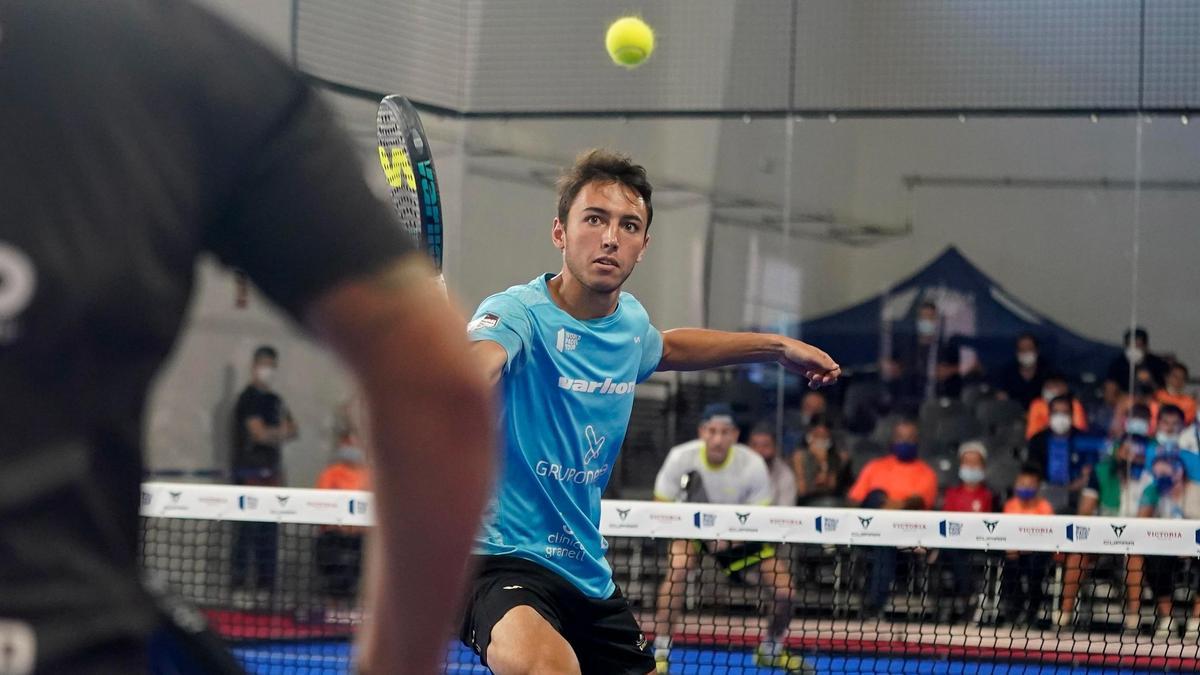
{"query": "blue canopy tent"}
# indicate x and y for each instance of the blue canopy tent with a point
(977, 314)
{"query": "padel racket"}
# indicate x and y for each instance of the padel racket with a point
(407, 162)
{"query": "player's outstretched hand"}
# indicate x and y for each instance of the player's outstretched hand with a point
(815, 365)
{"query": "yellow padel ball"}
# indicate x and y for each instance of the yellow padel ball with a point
(630, 41)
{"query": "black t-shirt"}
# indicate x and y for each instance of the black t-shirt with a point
(134, 136)
(268, 407)
(1017, 387)
(1118, 370)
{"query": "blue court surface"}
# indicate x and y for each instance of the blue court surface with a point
(333, 658)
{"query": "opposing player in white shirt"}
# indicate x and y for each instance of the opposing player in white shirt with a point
(715, 469)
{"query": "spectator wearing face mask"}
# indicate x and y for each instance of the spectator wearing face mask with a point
(1024, 574)
(898, 481)
(971, 495)
(1142, 398)
(1137, 354)
(783, 481)
(1039, 411)
(822, 471)
(1066, 458)
(1114, 490)
(1170, 495)
(1168, 440)
(262, 424)
(1022, 380)
(339, 548)
(1174, 394)
(910, 372)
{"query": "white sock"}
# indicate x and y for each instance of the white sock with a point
(662, 646)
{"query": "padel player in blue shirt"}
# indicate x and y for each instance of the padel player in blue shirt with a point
(568, 350)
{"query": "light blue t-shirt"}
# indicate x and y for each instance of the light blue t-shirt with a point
(568, 393)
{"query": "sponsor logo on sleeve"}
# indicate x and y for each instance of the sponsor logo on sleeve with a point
(488, 320)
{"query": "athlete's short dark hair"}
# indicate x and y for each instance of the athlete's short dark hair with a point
(603, 166)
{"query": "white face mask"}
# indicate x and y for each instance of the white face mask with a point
(1137, 426)
(1027, 359)
(1134, 355)
(264, 374)
(926, 326)
(1166, 439)
(1049, 395)
(970, 474)
(351, 454)
(1060, 423)
(819, 444)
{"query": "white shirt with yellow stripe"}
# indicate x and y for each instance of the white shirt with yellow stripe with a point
(741, 479)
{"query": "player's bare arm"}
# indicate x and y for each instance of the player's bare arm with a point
(430, 426)
(699, 348)
(490, 359)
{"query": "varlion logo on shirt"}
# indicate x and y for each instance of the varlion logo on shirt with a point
(593, 387)
(488, 320)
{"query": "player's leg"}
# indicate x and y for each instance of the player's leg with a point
(1134, 575)
(1073, 577)
(524, 643)
(775, 577)
(607, 638)
(681, 557)
(515, 616)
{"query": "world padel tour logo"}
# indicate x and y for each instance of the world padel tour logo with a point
(703, 520)
(147, 497)
(1078, 532)
(246, 502)
(358, 507)
(825, 524)
(949, 528)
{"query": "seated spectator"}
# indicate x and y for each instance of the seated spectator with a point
(1060, 449)
(339, 548)
(821, 470)
(1137, 354)
(971, 495)
(1039, 410)
(1137, 415)
(1174, 393)
(1169, 495)
(1114, 490)
(1023, 379)
(783, 481)
(1023, 578)
(898, 481)
(714, 469)
(813, 406)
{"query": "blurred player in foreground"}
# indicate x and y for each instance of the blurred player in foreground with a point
(137, 136)
(568, 349)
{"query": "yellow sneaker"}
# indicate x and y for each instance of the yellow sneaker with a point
(784, 660)
(661, 665)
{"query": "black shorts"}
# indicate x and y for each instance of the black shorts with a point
(603, 633)
(738, 559)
